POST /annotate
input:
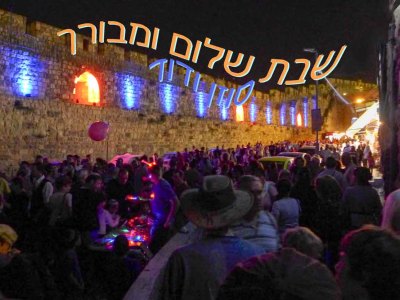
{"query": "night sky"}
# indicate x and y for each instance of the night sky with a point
(263, 28)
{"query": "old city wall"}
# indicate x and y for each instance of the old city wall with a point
(48, 121)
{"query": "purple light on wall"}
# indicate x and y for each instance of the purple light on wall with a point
(223, 111)
(24, 72)
(253, 110)
(305, 111)
(268, 112)
(282, 114)
(169, 94)
(292, 111)
(314, 102)
(200, 99)
(131, 89)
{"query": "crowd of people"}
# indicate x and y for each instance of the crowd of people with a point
(260, 234)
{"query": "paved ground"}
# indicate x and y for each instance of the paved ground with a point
(146, 286)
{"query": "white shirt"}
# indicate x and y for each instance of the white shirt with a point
(47, 189)
(105, 219)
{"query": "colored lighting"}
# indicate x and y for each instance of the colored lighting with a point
(200, 102)
(223, 110)
(283, 114)
(152, 164)
(25, 72)
(253, 110)
(268, 112)
(292, 111)
(168, 94)
(360, 100)
(239, 113)
(305, 111)
(87, 89)
(314, 102)
(131, 90)
(299, 120)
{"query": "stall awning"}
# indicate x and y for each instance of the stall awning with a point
(370, 115)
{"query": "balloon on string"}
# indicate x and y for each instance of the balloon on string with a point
(98, 131)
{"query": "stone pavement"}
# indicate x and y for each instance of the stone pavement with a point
(146, 286)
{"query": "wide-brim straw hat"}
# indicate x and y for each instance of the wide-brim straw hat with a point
(215, 204)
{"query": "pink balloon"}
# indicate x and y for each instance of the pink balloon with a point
(98, 131)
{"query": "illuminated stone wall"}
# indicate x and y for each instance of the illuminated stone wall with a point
(39, 114)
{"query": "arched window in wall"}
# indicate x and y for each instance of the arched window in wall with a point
(87, 89)
(239, 113)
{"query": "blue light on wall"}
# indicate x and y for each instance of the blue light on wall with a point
(305, 111)
(268, 112)
(223, 109)
(25, 72)
(314, 102)
(282, 114)
(292, 111)
(224, 114)
(169, 94)
(253, 110)
(201, 105)
(131, 90)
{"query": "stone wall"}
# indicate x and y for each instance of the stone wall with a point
(38, 113)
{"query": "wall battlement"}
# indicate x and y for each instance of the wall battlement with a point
(39, 113)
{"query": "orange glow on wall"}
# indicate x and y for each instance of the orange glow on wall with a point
(87, 89)
(299, 120)
(239, 113)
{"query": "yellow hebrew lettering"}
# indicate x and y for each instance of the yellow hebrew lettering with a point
(73, 38)
(218, 57)
(93, 28)
(302, 78)
(188, 52)
(122, 32)
(132, 39)
(196, 51)
(228, 64)
(316, 72)
(154, 40)
(274, 63)
(101, 31)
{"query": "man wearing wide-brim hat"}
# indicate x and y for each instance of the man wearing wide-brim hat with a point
(197, 270)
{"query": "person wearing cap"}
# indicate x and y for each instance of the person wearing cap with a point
(196, 271)
(18, 278)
